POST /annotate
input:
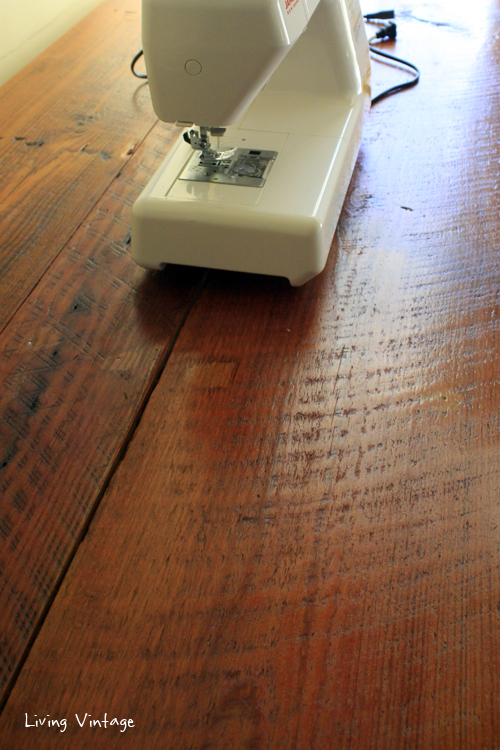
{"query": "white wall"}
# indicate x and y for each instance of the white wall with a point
(27, 27)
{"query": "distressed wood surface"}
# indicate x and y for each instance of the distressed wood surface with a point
(78, 359)
(77, 363)
(69, 121)
(300, 546)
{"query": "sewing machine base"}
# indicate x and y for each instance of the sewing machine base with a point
(284, 228)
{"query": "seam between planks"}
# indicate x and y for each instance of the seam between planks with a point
(121, 453)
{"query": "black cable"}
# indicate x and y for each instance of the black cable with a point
(388, 31)
(400, 86)
(132, 65)
(382, 14)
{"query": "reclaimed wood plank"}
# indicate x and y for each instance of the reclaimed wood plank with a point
(76, 364)
(300, 547)
(69, 122)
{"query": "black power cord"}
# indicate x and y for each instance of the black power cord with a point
(388, 31)
(400, 86)
(132, 65)
(381, 15)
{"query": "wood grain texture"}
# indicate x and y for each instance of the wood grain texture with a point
(68, 123)
(78, 359)
(76, 364)
(300, 547)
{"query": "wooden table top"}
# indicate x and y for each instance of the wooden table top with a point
(235, 515)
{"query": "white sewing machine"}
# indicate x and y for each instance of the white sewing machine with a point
(292, 78)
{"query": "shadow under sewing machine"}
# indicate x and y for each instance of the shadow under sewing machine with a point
(292, 78)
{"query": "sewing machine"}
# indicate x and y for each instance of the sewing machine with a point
(272, 95)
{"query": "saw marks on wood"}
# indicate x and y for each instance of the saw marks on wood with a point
(76, 364)
(299, 546)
